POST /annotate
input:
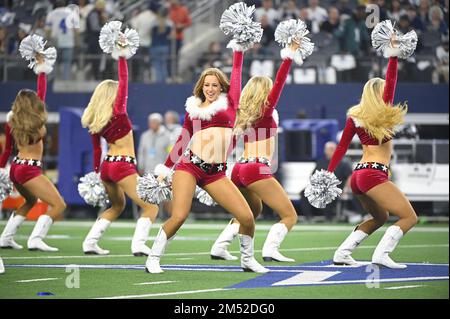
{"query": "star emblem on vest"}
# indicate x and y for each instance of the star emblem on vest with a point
(195, 160)
(220, 168)
(31, 162)
(365, 165)
(385, 169)
(375, 165)
(128, 159)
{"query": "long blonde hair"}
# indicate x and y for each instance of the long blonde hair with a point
(28, 118)
(378, 118)
(100, 109)
(253, 101)
(221, 77)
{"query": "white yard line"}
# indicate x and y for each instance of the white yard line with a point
(188, 292)
(369, 281)
(154, 283)
(36, 280)
(208, 253)
(404, 287)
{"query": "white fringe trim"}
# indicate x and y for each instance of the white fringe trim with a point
(206, 113)
(162, 169)
(9, 116)
(357, 123)
(390, 52)
(276, 117)
(287, 53)
(236, 47)
(43, 68)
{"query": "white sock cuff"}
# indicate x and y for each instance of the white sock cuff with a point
(144, 220)
(45, 219)
(360, 234)
(395, 232)
(18, 218)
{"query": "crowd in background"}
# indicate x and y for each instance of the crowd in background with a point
(338, 27)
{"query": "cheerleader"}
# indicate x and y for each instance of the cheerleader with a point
(252, 173)
(25, 128)
(106, 116)
(374, 120)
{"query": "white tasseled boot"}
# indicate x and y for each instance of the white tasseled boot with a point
(159, 246)
(248, 261)
(343, 255)
(2, 268)
(138, 247)
(7, 237)
(387, 245)
(273, 241)
(36, 240)
(90, 243)
(219, 250)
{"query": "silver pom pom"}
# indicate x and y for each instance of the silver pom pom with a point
(117, 43)
(323, 189)
(204, 197)
(6, 186)
(238, 21)
(381, 40)
(33, 45)
(151, 191)
(294, 30)
(92, 190)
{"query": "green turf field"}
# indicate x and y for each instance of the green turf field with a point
(307, 244)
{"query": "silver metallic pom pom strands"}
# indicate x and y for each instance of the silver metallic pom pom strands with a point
(381, 40)
(113, 41)
(204, 197)
(6, 186)
(323, 189)
(33, 45)
(153, 192)
(93, 191)
(294, 30)
(238, 21)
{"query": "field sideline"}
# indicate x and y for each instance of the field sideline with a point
(190, 273)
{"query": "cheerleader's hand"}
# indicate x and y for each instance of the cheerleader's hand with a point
(295, 45)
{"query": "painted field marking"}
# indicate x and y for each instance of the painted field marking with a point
(154, 283)
(208, 253)
(36, 280)
(404, 287)
(188, 292)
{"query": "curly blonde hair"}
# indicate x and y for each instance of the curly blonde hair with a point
(28, 118)
(378, 118)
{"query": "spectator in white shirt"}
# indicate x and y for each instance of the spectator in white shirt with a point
(317, 15)
(267, 10)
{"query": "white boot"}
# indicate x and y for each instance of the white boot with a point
(343, 255)
(138, 247)
(7, 237)
(219, 249)
(248, 261)
(387, 245)
(36, 240)
(159, 246)
(2, 268)
(90, 244)
(273, 241)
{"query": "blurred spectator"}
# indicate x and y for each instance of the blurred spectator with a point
(6, 46)
(213, 57)
(395, 11)
(404, 26)
(39, 27)
(272, 15)
(353, 33)
(161, 34)
(345, 8)
(62, 35)
(317, 15)
(94, 23)
(85, 8)
(153, 145)
(268, 37)
(333, 21)
(437, 23)
(173, 126)
(343, 173)
(383, 9)
(415, 21)
(181, 19)
(442, 64)
(304, 16)
(423, 11)
(290, 10)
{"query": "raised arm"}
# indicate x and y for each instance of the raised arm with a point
(97, 151)
(236, 79)
(42, 86)
(341, 150)
(181, 144)
(8, 146)
(391, 80)
(278, 86)
(120, 105)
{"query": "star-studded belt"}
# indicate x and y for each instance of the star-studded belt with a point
(125, 159)
(29, 162)
(371, 165)
(205, 167)
(261, 160)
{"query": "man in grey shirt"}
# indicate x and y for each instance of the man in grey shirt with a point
(154, 145)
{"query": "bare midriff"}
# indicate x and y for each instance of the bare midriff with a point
(263, 148)
(212, 144)
(123, 146)
(378, 153)
(33, 151)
